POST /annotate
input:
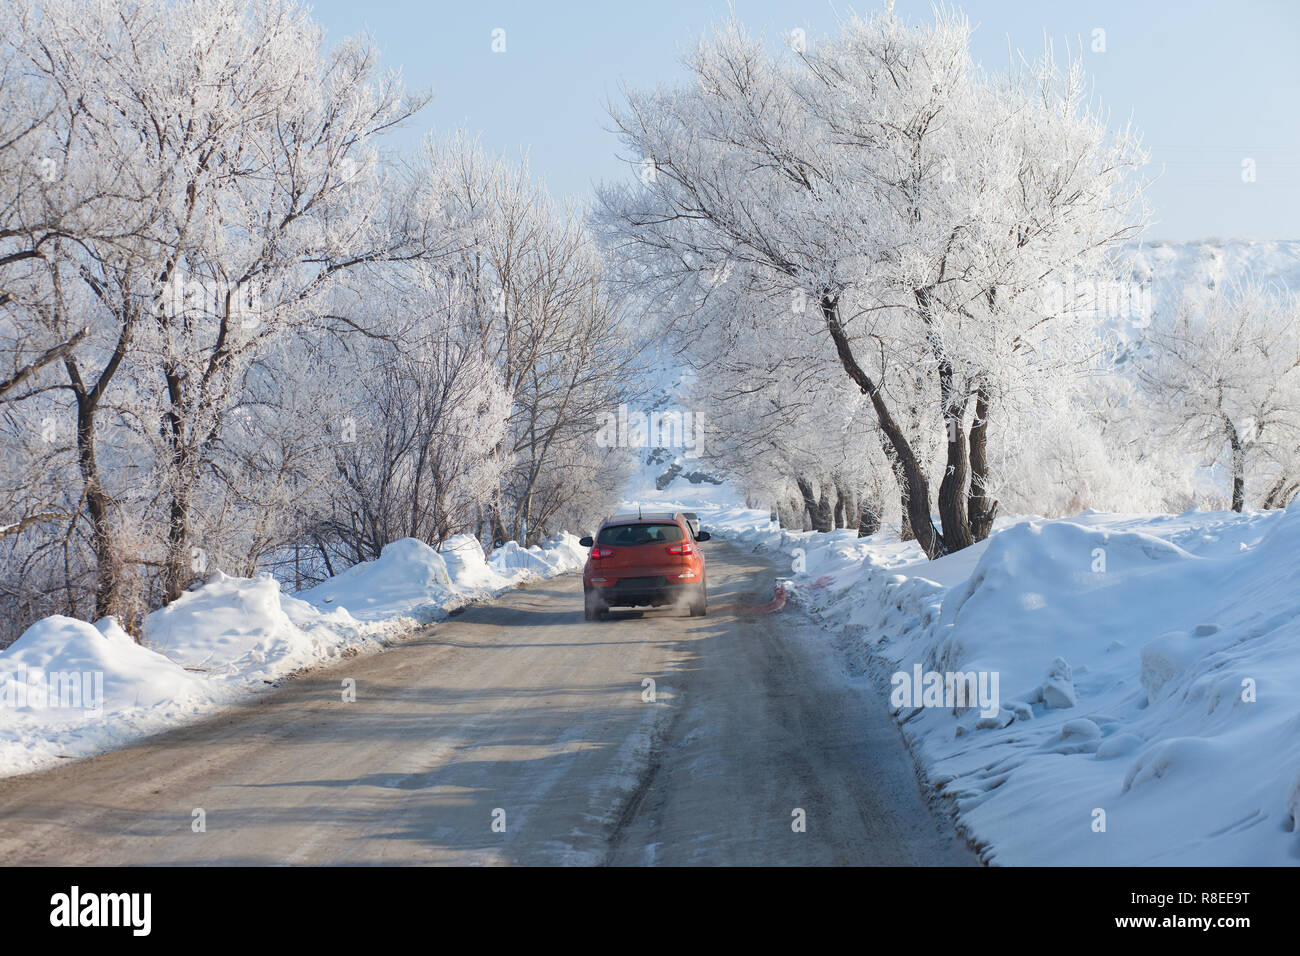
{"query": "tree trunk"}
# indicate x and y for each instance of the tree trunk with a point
(841, 507)
(824, 517)
(499, 533)
(1238, 466)
(905, 532)
(952, 489)
(982, 510)
(868, 518)
(916, 506)
(1280, 495)
(102, 544)
(176, 568)
(109, 583)
(809, 499)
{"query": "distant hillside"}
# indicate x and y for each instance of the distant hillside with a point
(1171, 267)
(1160, 272)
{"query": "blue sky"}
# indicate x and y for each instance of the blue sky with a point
(1209, 84)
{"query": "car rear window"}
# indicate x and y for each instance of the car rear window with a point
(627, 534)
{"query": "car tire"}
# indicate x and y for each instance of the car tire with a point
(699, 603)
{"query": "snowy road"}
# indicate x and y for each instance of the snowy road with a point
(516, 733)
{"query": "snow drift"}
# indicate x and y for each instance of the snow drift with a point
(1149, 671)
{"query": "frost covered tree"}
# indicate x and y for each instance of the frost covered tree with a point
(416, 455)
(487, 362)
(245, 149)
(39, 209)
(1223, 376)
(540, 309)
(210, 275)
(921, 209)
(192, 177)
(786, 424)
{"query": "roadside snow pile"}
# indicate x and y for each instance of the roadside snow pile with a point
(1147, 671)
(561, 554)
(1148, 685)
(68, 688)
(247, 631)
(71, 689)
(511, 558)
(124, 673)
(411, 581)
(468, 566)
(564, 551)
(407, 578)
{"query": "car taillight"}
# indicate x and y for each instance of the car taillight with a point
(682, 548)
(599, 552)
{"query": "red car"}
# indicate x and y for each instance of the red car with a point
(644, 560)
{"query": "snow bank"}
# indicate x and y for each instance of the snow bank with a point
(566, 555)
(71, 689)
(68, 688)
(130, 675)
(1148, 672)
(468, 566)
(1184, 658)
(408, 578)
(511, 558)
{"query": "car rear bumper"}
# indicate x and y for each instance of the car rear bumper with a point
(640, 592)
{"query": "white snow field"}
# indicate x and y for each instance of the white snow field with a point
(71, 689)
(1148, 672)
